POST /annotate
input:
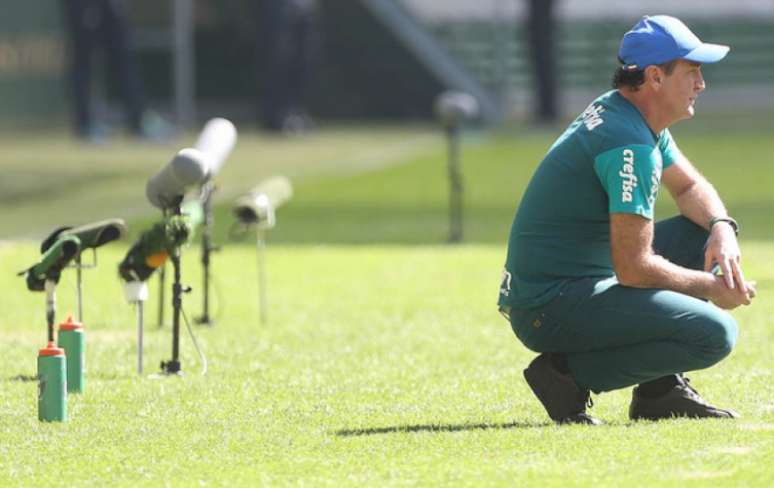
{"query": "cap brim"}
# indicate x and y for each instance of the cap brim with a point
(707, 53)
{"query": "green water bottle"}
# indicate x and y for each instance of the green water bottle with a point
(73, 341)
(52, 384)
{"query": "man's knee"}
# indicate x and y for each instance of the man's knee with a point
(721, 333)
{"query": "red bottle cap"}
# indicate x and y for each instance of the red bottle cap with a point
(70, 324)
(51, 350)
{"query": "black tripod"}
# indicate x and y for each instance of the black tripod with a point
(173, 365)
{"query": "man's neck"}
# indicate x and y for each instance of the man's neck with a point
(647, 107)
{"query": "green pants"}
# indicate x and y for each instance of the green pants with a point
(616, 336)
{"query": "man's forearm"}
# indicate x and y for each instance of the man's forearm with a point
(655, 271)
(637, 265)
(700, 203)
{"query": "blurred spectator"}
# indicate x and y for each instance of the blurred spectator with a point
(102, 25)
(288, 45)
(542, 32)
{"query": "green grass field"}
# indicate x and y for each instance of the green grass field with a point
(384, 361)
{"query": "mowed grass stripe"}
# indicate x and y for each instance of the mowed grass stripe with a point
(50, 180)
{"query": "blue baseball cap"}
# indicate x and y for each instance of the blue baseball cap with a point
(660, 39)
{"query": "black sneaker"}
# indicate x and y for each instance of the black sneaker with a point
(680, 401)
(564, 401)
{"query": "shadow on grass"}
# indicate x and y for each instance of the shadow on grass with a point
(402, 429)
(28, 378)
(24, 378)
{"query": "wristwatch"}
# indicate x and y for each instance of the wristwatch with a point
(734, 225)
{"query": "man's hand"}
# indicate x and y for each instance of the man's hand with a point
(730, 298)
(723, 250)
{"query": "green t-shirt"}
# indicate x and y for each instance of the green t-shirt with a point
(607, 161)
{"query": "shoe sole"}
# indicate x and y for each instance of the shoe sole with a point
(655, 418)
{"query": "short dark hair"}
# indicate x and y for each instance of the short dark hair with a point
(633, 78)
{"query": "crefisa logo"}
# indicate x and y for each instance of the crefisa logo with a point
(628, 178)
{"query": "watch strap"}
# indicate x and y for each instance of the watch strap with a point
(734, 225)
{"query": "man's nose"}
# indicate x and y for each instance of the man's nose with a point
(700, 84)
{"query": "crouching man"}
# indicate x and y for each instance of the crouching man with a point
(608, 297)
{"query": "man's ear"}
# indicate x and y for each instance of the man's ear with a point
(654, 76)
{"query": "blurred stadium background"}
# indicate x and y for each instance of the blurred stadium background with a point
(381, 65)
(381, 59)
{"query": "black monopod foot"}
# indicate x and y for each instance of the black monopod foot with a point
(171, 367)
(204, 320)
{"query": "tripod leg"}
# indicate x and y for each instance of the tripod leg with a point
(139, 336)
(162, 284)
(261, 250)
